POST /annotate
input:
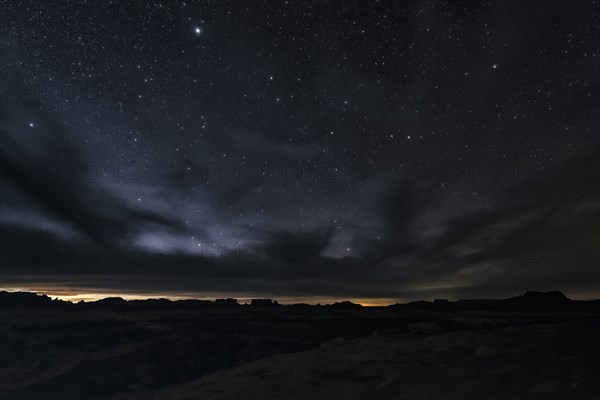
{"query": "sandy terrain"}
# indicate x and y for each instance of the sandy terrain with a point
(539, 346)
(554, 361)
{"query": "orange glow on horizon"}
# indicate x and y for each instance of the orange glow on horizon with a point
(75, 296)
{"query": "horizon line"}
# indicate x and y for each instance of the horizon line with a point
(96, 297)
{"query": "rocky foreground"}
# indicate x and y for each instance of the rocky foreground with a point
(549, 361)
(535, 346)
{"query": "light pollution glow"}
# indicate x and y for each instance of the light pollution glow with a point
(74, 296)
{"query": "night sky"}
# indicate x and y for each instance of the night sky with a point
(302, 151)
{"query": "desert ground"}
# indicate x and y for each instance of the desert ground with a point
(196, 350)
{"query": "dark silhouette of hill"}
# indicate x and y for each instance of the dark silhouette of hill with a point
(345, 305)
(262, 303)
(24, 299)
(226, 302)
(115, 347)
(529, 301)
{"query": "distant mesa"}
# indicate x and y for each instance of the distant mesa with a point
(345, 305)
(530, 301)
(300, 305)
(226, 302)
(553, 297)
(111, 300)
(24, 299)
(264, 303)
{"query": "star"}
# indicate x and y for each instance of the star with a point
(295, 140)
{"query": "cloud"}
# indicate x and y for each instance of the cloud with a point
(71, 197)
(399, 246)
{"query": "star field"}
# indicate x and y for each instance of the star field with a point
(343, 149)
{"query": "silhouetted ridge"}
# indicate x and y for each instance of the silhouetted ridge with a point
(23, 299)
(529, 301)
(264, 303)
(226, 302)
(553, 297)
(111, 300)
(345, 305)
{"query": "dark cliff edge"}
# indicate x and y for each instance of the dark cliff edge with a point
(553, 301)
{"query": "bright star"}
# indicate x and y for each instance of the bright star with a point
(198, 30)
